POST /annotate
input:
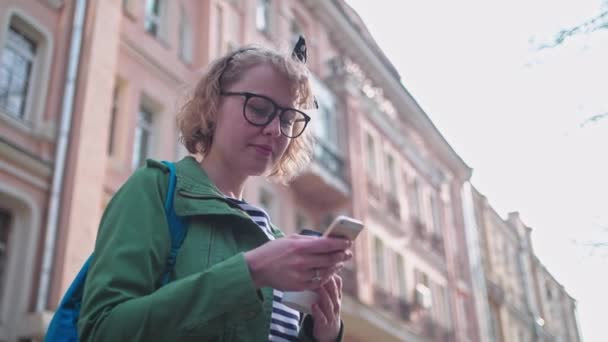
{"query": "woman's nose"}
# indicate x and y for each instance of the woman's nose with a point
(273, 128)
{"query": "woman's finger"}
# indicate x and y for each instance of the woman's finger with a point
(332, 289)
(324, 260)
(339, 283)
(326, 302)
(324, 245)
(318, 315)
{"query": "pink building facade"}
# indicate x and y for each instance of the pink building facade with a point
(92, 88)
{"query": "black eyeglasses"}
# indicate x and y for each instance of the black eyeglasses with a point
(260, 110)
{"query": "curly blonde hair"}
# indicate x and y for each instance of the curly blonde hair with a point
(197, 117)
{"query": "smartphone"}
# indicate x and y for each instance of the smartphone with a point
(344, 226)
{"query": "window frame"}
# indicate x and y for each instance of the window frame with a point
(379, 263)
(32, 121)
(401, 275)
(414, 199)
(149, 127)
(371, 163)
(28, 55)
(185, 37)
(391, 174)
(157, 19)
(263, 10)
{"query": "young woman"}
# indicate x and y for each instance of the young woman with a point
(246, 119)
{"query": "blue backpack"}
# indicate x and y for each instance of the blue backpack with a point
(63, 326)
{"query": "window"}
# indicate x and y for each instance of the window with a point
(379, 260)
(423, 278)
(219, 30)
(392, 181)
(5, 224)
(16, 71)
(154, 17)
(414, 199)
(262, 16)
(401, 276)
(142, 146)
(185, 37)
(371, 155)
(113, 115)
(326, 127)
(436, 212)
(507, 256)
(295, 32)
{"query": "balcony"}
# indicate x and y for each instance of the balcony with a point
(324, 183)
(403, 309)
(396, 306)
(382, 298)
(436, 331)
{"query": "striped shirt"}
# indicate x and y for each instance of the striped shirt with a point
(284, 321)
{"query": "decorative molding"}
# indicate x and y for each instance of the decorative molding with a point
(143, 56)
(351, 42)
(16, 160)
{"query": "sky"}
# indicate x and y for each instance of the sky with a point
(516, 114)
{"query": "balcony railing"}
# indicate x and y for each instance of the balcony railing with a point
(324, 183)
(397, 306)
(436, 331)
(382, 298)
(403, 309)
(329, 160)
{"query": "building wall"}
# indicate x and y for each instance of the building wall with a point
(526, 301)
(27, 138)
(409, 279)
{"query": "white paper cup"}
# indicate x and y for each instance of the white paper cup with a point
(300, 300)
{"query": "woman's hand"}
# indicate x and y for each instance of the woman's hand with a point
(326, 312)
(297, 262)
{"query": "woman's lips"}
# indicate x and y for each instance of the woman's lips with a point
(263, 149)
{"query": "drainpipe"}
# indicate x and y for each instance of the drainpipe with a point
(63, 137)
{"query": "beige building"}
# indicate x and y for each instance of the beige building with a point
(525, 302)
(89, 89)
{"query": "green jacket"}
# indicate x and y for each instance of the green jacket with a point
(212, 296)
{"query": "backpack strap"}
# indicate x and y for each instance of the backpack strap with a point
(177, 228)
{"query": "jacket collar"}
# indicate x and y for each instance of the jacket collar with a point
(195, 194)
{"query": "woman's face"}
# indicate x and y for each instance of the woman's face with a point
(252, 150)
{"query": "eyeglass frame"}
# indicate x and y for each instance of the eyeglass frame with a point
(277, 111)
